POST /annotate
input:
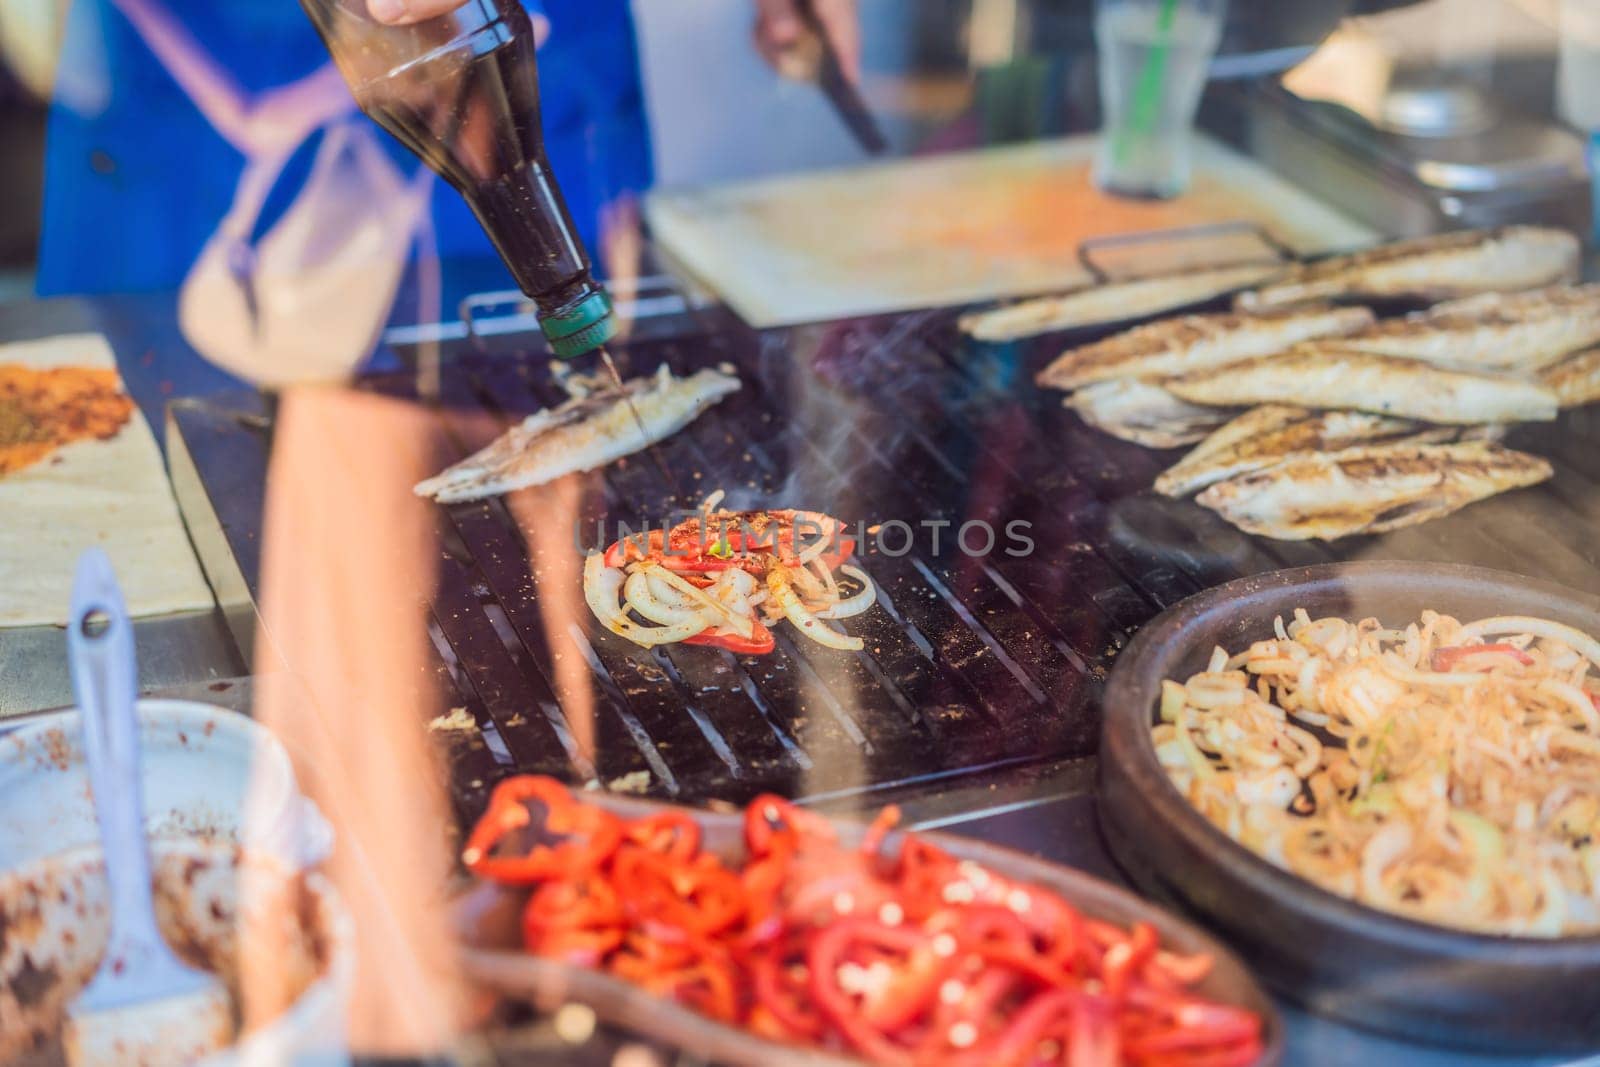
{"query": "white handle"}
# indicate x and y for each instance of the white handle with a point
(105, 681)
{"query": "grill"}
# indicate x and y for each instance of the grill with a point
(972, 663)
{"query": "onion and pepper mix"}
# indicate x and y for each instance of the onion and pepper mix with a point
(893, 951)
(1446, 772)
(724, 578)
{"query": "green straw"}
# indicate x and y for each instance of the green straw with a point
(1147, 94)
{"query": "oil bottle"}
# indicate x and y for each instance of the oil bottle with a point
(462, 92)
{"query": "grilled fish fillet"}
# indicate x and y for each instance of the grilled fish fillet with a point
(1195, 342)
(584, 433)
(1576, 379)
(1498, 331)
(1272, 433)
(1317, 375)
(1370, 489)
(1144, 413)
(1432, 268)
(1112, 302)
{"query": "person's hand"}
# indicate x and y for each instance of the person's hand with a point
(401, 12)
(781, 32)
(405, 12)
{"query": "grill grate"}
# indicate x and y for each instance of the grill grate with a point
(970, 663)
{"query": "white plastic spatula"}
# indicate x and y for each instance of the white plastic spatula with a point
(143, 1005)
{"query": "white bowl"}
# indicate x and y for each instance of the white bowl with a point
(55, 917)
(208, 773)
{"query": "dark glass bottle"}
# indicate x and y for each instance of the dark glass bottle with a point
(462, 92)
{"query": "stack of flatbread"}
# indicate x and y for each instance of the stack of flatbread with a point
(80, 467)
(1312, 420)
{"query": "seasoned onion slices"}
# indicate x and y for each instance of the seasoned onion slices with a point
(723, 578)
(1449, 773)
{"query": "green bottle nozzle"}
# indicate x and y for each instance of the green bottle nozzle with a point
(581, 326)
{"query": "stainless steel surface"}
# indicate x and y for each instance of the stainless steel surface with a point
(173, 651)
(1517, 169)
(1435, 111)
(155, 363)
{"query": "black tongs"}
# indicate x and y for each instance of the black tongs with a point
(844, 96)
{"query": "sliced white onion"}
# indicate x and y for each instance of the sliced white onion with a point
(734, 580)
(721, 615)
(808, 624)
(854, 604)
(603, 585)
(671, 609)
(1587, 646)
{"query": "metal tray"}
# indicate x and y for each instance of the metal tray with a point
(489, 922)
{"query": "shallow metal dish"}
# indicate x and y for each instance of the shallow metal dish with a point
(493, 955)
(1337, 957)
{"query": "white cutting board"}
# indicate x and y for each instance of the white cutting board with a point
(952, 229)
(112, 494)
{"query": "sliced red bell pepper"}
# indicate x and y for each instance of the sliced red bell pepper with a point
(586, 902)
(701, 900)
(829, 951)
(785, 996)
(1124, 960)
(670, 833)
(583, 948)
(902, 958)
(1447, 659)
(770, 817)
(759, 643)
(590, 834)
(635, 547)
(735, 541)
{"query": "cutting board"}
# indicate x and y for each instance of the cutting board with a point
(112, 493)
(953, 229)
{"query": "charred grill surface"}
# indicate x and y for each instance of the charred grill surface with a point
(971, 662)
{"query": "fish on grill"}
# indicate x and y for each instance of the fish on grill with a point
(1576, 379)
(1369, 489)
(1143, 412)
(1440, 267)
(586, 432)
(1497, 331)
(1321, 375)
(1272, 433)
(1195, 342)
(1112, 302)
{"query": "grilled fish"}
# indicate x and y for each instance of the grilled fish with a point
(1431, 268)
(1498, 331)
(1112, 302)
(1576, 379)
(1318, 375)
(1195, 342)
(1144, 413)
(584, 433)
(1371, 489)
(1272, 433)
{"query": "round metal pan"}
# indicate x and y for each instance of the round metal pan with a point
(1337, 957)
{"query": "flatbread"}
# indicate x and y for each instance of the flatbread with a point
(112, 493)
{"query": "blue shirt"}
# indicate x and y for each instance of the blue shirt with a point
(137, 179)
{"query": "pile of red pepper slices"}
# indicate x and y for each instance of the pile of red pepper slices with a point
(898, 956)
